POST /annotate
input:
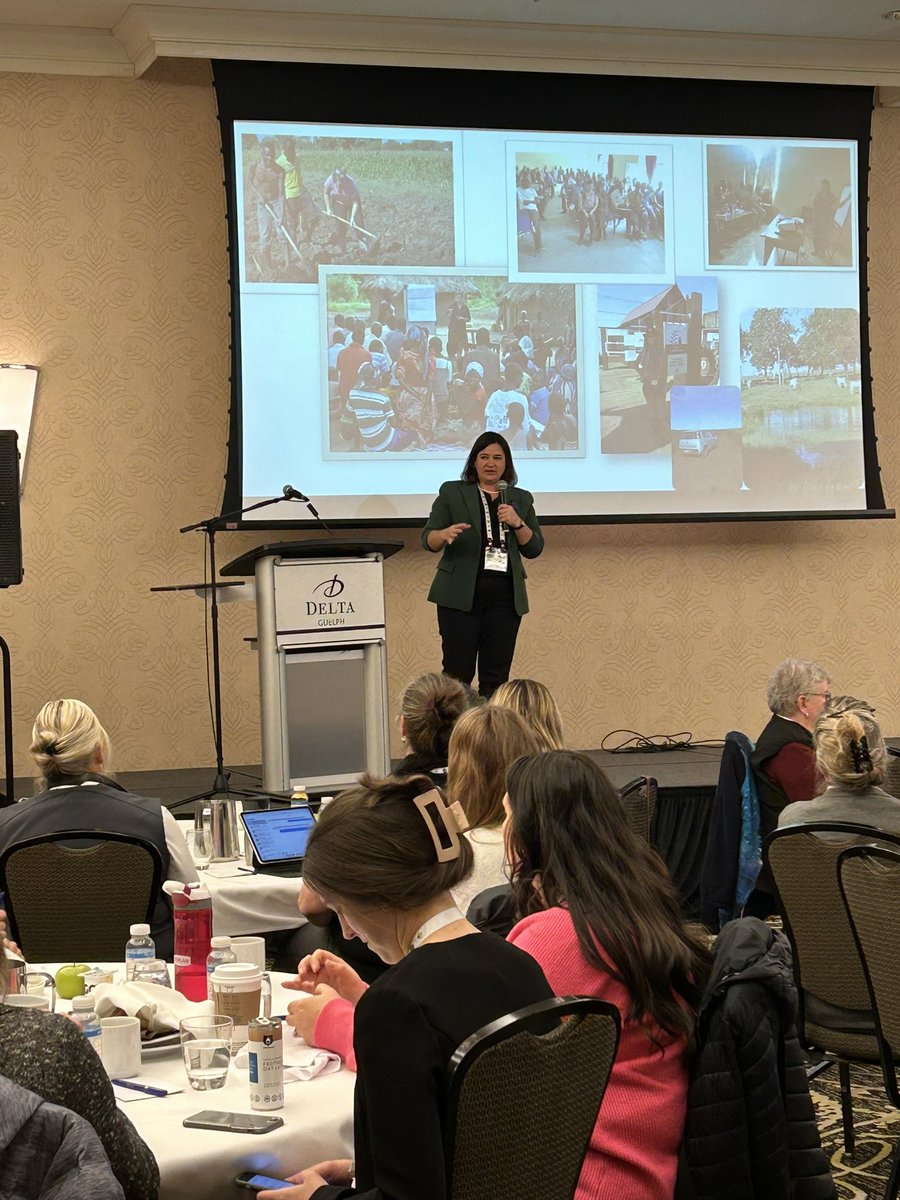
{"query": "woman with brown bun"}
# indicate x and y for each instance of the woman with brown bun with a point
(534, 702)
(386, 856)
(429, 708)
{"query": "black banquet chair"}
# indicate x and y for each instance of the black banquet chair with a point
(523, 1100)
(869, 879)
(639, 801)
(72, 895)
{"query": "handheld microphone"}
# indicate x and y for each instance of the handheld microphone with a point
(502, 485)
(291, 493)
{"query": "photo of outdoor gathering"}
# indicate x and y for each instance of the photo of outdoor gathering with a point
(422, 363)
(774, 204)
(801, 397)
(309, 200)
(652, 339)
(581, 213)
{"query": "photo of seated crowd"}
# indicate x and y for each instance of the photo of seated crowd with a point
(312, 200)
(779, 206)
(585, 218)
(426, 363)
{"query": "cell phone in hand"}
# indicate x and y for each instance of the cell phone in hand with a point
(233, 1122)
(259, 1183)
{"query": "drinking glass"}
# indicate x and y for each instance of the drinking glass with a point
(152, 970)
(206, 1049)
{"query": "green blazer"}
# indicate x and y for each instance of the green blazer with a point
(457, 572)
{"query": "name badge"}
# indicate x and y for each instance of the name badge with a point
(495, 558)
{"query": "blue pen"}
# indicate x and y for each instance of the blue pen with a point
(140, 1087)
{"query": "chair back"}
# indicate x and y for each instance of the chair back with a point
(639, 801)
(803, 860)
(523, 1100)
(68, 902)
(869, 878)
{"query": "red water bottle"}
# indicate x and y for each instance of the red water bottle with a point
(193, 932)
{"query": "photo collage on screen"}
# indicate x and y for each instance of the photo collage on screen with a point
(676, 316)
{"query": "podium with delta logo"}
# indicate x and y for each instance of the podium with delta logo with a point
(322, 652)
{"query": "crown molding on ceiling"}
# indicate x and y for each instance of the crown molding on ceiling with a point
(148, 31)
(58, 50)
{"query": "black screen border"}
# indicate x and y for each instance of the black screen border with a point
(480, 99)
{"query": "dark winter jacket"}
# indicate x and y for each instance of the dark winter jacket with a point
(49, 1153)
(751, 1130)
(733, 857)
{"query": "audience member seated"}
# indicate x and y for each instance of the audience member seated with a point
(486, 357)
(851, 759)
(484, 744)
(602, 918)
(373, 857)
(783, 762)
(49, 1055)
(72, 752)
(429, 708)
(533, 702)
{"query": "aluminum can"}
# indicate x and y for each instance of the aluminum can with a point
(264, 1044)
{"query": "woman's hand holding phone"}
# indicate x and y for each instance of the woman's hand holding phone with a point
(336, 1171)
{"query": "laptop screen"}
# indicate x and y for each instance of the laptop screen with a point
(279, 834)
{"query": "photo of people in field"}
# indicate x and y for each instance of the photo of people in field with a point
(777, 205)
(424, 363)
(312, 200)
(582, 214)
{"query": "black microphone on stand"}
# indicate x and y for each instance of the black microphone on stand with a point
(291, 493)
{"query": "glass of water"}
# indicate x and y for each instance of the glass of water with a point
(206, 1049)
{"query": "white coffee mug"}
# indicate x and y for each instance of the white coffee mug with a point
(24, 1000)
(120, 1047)
(250, 950)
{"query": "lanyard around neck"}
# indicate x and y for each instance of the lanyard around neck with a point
(445, 917)
(487, 521)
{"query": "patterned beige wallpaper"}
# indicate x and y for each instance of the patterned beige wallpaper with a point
(113, 278)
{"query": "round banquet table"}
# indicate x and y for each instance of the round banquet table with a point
(247, 903)
(200, 1164)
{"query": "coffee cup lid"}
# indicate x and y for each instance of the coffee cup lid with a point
(231, 972)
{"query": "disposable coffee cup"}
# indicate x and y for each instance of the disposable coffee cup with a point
(250, 950)
(239, 991)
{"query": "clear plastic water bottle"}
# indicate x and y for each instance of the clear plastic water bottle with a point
(219, 953)
(83, 1010)
(140, 946)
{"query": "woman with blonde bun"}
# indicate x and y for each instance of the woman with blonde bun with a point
(851, 758)
(534, 702)
(71, 750)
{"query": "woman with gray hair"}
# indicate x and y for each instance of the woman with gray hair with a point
(851, 758)
(784, 763)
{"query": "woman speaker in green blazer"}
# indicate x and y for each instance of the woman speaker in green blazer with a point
(485, 525)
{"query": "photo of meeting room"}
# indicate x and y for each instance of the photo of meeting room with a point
(579, 212)
(652, 339)
(421, 364)
(801, 400)
(353, 200)
(773, 204)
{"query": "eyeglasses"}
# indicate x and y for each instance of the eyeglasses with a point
(826, 696)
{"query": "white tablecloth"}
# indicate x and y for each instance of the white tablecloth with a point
(200, 1164)
(244, 903)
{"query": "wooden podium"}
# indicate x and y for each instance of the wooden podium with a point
(322, 652)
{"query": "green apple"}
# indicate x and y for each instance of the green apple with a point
(69, 980)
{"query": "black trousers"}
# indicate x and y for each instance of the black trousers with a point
(485, 636)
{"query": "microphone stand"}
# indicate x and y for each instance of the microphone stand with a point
(220, 785)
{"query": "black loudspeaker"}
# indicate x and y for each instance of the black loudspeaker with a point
(11, 571)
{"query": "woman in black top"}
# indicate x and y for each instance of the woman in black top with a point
(373, 857)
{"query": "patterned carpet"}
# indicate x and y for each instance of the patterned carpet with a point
(877, 1126)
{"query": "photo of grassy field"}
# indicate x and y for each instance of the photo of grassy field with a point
(407, 210)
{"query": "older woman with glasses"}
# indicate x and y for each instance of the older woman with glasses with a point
(784, 762)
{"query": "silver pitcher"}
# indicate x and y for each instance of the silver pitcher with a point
(19, 974)
(216, 822)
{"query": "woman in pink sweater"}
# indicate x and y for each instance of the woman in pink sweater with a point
(602, 918)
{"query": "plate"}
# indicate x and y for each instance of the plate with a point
(163, 1043)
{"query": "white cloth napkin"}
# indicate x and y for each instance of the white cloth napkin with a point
(159, 1009)
(301, 1062)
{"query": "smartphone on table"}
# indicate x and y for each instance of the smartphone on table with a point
(259, 1183)
(233, 1122)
